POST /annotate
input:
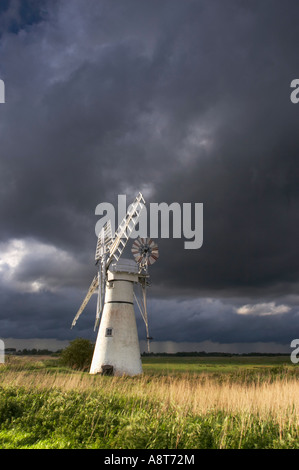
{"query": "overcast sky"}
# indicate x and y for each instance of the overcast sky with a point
(186, 101)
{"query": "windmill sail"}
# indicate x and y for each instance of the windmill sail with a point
(91, 290)
(104, 241)
(125, 229)
(110, 248)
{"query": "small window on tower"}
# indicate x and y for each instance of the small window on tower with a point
(108, 331)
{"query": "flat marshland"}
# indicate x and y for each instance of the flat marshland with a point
(178, 403)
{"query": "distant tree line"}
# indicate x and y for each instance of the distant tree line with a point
(47, 352)
(31, 352)
(211, 354)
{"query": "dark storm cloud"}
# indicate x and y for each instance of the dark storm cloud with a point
(189, 101)
(19, 14)
(221, 321)
(247, 178)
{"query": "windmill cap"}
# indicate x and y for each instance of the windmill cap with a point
(124, 265)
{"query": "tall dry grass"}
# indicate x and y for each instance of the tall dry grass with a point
(278, 397)
(239, 410)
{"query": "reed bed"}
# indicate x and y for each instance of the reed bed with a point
(185, 411)
(190, 392)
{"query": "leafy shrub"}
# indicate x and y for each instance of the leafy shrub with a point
(78, 354)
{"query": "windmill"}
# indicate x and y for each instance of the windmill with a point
(117, 349)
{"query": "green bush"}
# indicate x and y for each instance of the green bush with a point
(78, 354)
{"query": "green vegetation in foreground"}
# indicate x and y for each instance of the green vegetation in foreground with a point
(56, 419)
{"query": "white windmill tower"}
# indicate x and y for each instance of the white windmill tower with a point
(117, 350)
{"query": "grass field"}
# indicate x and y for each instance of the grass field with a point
(178, 403)
(211, 364)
